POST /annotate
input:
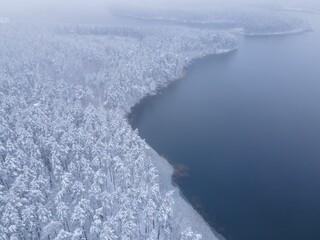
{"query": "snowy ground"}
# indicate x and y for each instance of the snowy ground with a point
(181, 207)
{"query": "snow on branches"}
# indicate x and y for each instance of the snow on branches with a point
(71, 167)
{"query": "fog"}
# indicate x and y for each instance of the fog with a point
(71, 70)
(58, 9)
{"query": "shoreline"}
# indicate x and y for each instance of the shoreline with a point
(165, 169)
(285, 33)
(242, 32)
(234, 30)
(183, 209)
(175, 21)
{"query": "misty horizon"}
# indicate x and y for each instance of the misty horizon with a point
(159, 120)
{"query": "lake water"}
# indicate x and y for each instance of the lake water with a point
(247, 127)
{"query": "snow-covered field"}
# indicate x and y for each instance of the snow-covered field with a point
(71, 167)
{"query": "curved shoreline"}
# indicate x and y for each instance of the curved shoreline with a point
(285, 33)
(183, 209)
(237, 29)
(186, 211)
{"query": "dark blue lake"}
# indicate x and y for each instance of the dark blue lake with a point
(247, 127)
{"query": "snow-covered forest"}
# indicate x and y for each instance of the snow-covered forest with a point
(252, 21)
(71, 167)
